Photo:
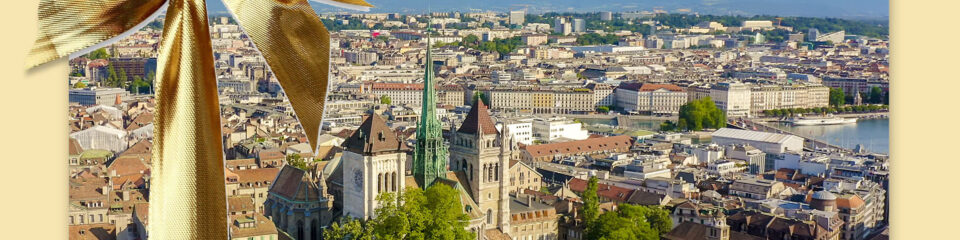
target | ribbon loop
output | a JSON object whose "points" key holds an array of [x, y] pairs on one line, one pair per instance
{"points": [[297, 53], [67, 27], [187, 195], [187, 192]]}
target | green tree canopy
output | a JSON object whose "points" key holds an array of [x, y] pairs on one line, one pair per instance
{"points": [[296, 161], [631, 222], [876, 95], [603, 109], [385, 99], [481, 95], [98, 54], [702, 113], [591, 202], [627, 222], [434, 214], [597, 39], [837, 97]]}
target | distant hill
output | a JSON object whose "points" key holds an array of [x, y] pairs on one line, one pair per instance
{"points": [[849, 9]]}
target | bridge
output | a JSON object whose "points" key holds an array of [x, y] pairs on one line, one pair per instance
{"points": [[809, 143]]}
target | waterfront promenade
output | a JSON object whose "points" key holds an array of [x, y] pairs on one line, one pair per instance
{"points": [[809, 143]]}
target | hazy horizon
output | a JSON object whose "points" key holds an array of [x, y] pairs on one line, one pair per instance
{"points": [[847, 9]]}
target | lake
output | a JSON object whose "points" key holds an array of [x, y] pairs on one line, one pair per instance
{"points": [[874, 134]]}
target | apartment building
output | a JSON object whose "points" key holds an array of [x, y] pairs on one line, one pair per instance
{"points": [[651, 98], [542, 100]]}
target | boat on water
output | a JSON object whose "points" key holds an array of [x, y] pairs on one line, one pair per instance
{"points": [[828, 120]]}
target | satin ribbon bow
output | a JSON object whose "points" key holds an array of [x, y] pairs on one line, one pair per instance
{"points": [[187, 190]]}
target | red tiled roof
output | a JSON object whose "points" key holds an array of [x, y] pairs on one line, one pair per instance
{"points": [[127, 165], [478, 120], [257, 175], [409, 86], [271, 154], [74, 147], [373, 136], [647, 87], [604, 190], [852, 202], [581, 146]]}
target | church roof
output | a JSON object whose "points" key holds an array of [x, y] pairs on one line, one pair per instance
{"points": [[295, 185], [478, 120], [373, 137]]}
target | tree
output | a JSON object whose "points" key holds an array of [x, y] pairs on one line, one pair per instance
{"points": [[346, 228], [668, 126], [122, 78], [139, 86], [545, 190], [80, 85], [700, 114], [603, 109], [876, 95], [98, 54], [631, 222], [471, 40], [836, 97], [111, 79], [436, 213], [385, 99], [591, 202], [296, 161], [481, 95]]}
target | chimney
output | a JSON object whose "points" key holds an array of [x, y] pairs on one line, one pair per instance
{"points": [[529, 200], [105, 190], [126, 195]]}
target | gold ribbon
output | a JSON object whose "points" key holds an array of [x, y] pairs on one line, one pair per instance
{"points": [[187, 192]]}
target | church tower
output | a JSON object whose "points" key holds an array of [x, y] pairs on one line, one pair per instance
{"points": [[430, 154], [374, 162], [477, 149]]}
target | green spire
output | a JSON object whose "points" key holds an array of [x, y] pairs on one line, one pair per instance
{"points": [[430, 155]]}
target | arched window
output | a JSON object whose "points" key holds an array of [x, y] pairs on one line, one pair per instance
{"points": [[380, 182], [483, 173], [393, 179], [489, 216], [490, 174], [300, 230]]}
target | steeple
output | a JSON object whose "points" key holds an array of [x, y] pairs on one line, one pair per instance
{"points": [[373, 137], [430, 155], [478, 120]]}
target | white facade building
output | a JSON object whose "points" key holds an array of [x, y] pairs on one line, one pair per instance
{"points": [[733, 98], [522, 130], [551, 129], [651, 98]]}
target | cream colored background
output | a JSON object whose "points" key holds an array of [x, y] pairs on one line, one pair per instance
{"points": [[925, 168]]}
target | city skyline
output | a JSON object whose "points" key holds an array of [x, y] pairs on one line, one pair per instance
{"points": [[527, 128], [855, 9]]}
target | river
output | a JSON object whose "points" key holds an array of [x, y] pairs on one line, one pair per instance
{"points": [[874, 134]]}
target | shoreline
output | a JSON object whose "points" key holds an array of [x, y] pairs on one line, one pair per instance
{"points": [[871, 115]]}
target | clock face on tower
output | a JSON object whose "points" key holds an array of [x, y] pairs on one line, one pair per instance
{"points": [[358, 178]]}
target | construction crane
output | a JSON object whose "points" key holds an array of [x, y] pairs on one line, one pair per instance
{"points": [[778, 20]]}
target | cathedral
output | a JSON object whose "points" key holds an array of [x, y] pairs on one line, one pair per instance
{"points": [[476, 161]]}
